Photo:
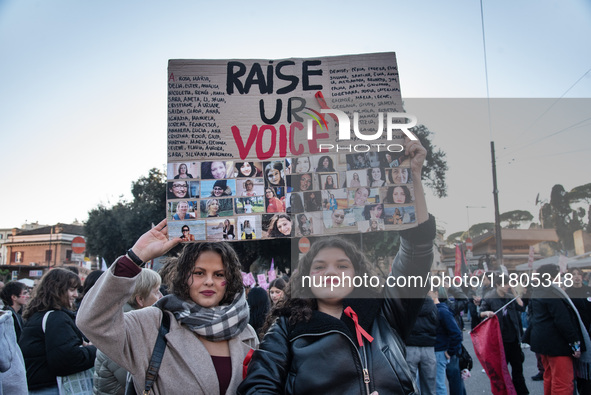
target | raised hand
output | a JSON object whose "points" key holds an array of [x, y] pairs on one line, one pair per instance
{"points": [[154, 243]]}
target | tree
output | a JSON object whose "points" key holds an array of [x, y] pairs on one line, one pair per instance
{"points": [[111, 230], [435, 166], [560, 215], [515, 218], [481, 228], [455, 238]]}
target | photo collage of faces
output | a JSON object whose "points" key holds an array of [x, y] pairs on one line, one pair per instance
{"points": [[302, 196]]}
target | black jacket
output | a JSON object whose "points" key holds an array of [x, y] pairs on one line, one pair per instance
{"points": [[581, 298], [322, 356], [509, 317], [57, 352], [553, 323], [424, 332]]}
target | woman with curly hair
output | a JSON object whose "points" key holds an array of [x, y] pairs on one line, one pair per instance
{"points": [[333, 334], [51, 343], [280, 226], [209, 334], [325, 164]]}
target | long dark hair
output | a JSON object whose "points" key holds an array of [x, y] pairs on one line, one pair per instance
{"points": [[389, 195], [52, 292], [299, 302], [185, 264], [259, 304]]}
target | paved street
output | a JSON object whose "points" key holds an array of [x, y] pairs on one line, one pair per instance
{"points": [[479, 382]]}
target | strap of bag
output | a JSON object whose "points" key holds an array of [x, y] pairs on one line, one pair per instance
{"points": [[159, 348], [44, 321]]}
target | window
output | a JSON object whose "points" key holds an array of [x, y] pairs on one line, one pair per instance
{"points": [[48, 255], [68, 255], [18, 256]]}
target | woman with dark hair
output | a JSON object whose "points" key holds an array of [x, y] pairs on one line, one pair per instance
{"points": [[220, 189], [276, 290], [295, 203], [328, 336], [397, 217], [248, 169], [325, 164], [398, 195], [373, 211], [301, 164], [51, 343], [329, 183], [312, 201], [228, 230], [259, 304], [274, 204], [304, 225], [89, 282], [209, 334], [178, 190], [186, 234], [332, 203], [274, 173], [183, 172], [280, 226], [376, 177]]}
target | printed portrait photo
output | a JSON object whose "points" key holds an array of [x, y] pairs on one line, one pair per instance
{"points": [[250, 187], [182, 170]]}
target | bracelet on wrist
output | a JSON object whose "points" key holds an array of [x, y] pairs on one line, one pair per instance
{"points": [[136, 259]]}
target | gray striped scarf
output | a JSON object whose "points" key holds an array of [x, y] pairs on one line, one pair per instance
{"points": [[215, 324]]}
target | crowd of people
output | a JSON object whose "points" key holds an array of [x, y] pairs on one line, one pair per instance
{"points": [[194, 327]]}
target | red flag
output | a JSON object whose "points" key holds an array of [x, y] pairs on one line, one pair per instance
{"points": [[488, 345], [458, 267]]}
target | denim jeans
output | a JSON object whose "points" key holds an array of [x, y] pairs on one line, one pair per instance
{"points": [[454, 377], [45, 391], [442, 362]]}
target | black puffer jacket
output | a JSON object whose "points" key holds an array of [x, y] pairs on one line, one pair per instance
{"points": [[322, 356], [57, 352], [424, 332]]}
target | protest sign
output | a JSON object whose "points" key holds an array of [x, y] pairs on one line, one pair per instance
{"points": [[287, 148]]}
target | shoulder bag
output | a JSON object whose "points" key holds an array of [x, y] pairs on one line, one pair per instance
{"points": [[79, 383], [155, 360]]}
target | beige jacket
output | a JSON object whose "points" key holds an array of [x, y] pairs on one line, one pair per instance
{"points": [[128, 339]]}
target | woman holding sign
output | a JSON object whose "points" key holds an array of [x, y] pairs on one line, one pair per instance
{"points": [[333, 338], [208, 336]]}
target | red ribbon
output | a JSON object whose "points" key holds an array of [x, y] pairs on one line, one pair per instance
{"points": [[358, 329], [246, 362]]}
